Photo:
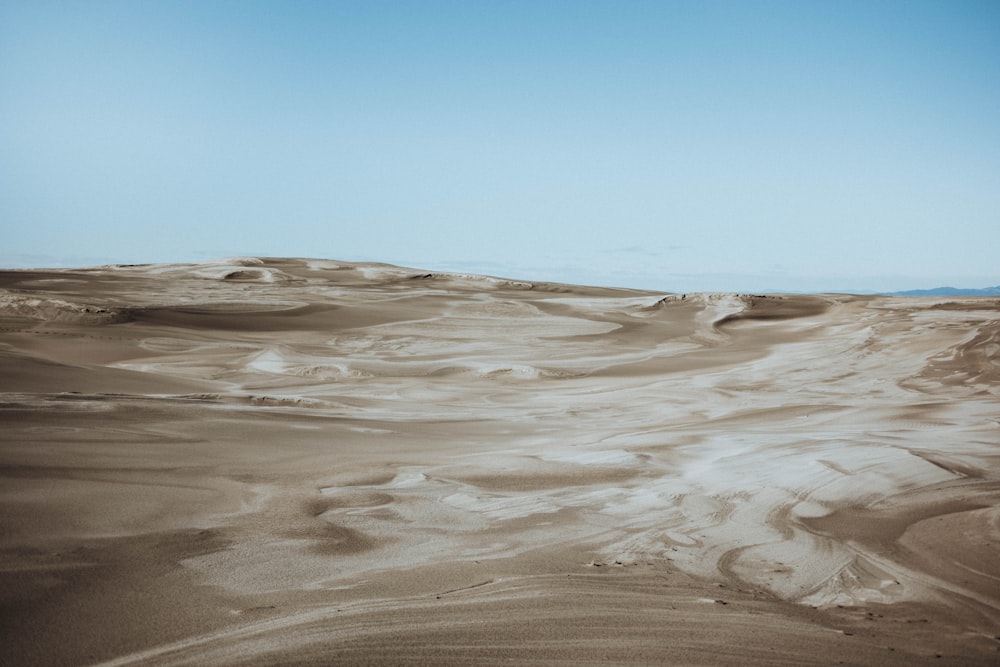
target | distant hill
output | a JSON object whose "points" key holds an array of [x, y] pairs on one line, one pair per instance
{"points": [[950, 291]]}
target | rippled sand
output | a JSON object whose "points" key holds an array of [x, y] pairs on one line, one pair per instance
{"points": [[313, 462]]}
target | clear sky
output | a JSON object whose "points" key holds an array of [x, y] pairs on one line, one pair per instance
{"points": [[675, 146]]}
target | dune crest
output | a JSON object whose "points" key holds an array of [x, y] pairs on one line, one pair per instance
{"points": [[260, 460]]}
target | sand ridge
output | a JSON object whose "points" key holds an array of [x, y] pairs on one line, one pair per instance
{"points": [[357, 461]]}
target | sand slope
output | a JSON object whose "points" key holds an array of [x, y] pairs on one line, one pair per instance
{"points": [[259, 461]]}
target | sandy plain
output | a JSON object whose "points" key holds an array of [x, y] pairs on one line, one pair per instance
{"points": [[288, 461]]}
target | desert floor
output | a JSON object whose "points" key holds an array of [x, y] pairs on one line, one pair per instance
{"points": [[312, 462]]}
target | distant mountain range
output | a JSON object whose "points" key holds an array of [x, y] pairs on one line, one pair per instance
{"points": [[950, 291]]}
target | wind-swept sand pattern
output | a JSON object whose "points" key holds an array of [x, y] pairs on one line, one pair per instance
{"points": [[303, 461]]}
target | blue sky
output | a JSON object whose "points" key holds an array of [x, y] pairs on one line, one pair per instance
{"points": [[674, 146]]}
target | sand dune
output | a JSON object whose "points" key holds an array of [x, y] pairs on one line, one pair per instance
{"points": [[260, 461]]}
